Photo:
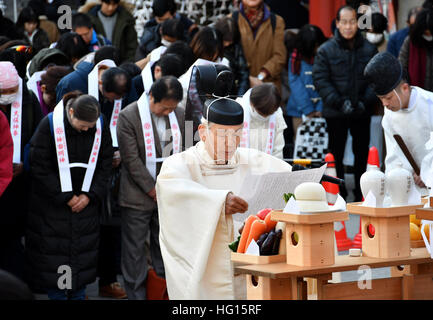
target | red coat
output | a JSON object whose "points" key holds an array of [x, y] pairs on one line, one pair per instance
{"points": [[6, 153]]}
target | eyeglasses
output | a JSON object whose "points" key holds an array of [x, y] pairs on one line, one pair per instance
{"points": [[22, 48]]}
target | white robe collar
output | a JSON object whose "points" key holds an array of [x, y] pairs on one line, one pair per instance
{"points": [[209, 166]]}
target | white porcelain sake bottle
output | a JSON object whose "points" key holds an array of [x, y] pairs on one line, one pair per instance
{"points": [[398, 185], [373, 180]]}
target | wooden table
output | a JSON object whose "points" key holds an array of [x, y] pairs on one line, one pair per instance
{"points": [[280, 281]]}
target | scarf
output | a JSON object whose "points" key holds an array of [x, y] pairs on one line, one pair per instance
{"points": [[254, 16], [417, 65]]}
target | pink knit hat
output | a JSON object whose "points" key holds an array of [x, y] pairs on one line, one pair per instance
{"points": [[9, 77]]}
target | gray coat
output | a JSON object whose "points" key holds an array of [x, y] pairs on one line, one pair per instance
{"points": [[135, 179]]}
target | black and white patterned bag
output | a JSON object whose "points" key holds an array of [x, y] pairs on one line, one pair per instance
{"points": [[311, 140]]}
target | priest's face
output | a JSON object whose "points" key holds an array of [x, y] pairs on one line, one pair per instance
{"points": [[221, 141], [397, 99]]}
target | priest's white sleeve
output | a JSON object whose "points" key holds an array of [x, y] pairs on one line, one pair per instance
{"points": [[393, 151], [188, 216]]}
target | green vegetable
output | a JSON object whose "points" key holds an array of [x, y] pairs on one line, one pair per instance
{"points": [[287, 197], [234, 245]]}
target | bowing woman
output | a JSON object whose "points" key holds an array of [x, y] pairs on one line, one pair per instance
{"points": [[70, 158]]}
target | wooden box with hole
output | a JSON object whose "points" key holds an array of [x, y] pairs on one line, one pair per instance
{"points": [[385, 231], [310, 237]]}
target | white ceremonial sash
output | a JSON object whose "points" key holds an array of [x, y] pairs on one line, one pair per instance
{"points": [[155, 55], [62, 152], [147, 77], [16, 122], [32, 83], [149, 139], [245, 140], [93, 90]]}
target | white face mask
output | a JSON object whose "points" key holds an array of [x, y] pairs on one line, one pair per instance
{"points": [[374, 38], [257, 116], [165, 43], [6, 99], [427, 38]]}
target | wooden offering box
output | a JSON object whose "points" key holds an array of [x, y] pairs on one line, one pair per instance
{"points": [[391, 236], [310, 237], [262, 288]]}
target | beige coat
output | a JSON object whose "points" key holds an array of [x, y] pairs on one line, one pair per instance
{"points": [[266, 50]]}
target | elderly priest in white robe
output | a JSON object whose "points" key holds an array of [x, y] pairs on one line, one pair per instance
{"points": [[196, 193]]}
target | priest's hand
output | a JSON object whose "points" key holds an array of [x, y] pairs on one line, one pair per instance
{"points": [[235, 204], [17, 169], [418, 181], [82, 202], [152, 194]]}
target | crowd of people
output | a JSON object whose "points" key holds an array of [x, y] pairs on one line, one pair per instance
{"points": [[92, 118]]}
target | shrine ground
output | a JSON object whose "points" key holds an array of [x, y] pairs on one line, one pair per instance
{"points": [[352, 228]]}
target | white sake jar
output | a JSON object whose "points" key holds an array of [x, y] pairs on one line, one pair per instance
{"points": [[373, 180], [398, 185]]}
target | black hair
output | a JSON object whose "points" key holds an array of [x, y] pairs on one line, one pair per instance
{"points": [[12, 288], [289, 40], [27, 15], [379, 22], [228, 28], [346, 7], [81, 20], [107, 52], [110, 1], [4, 39], [172, 28], [52, 77], [160, 7], [414, 11], [423, 22], [131, 68], [72, 45], [171, 65], [265, 98], [116, 80], [86, 107], [167, 87], [184, 51], [308, 39], [207, 43], [355, 4], [428, 4]]}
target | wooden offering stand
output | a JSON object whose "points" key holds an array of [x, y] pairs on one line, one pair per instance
{"points": [[310, 237], [286, 280], [391, 237]]}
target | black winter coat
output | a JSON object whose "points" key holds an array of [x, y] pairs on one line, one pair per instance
{"points": [[338, 74], [14, 201], [55, 235]]}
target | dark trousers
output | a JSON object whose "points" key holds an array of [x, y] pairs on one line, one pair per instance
{"points": [[109, 254], [360, 131], [12, 258], [137, 228]]}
